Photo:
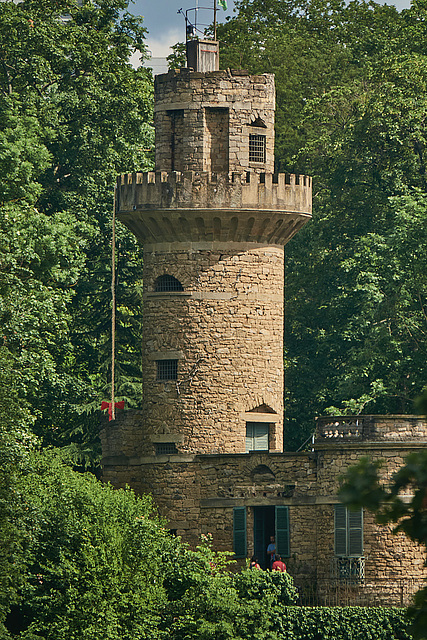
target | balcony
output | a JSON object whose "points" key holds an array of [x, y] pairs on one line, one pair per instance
{"points": [[392, 428], [348, 569]]}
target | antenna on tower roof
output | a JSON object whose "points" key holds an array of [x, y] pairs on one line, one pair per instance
{"points": [[196, 29]]}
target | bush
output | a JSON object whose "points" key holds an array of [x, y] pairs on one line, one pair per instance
{"points": [[208, 602], [92, 561], [343, 623], [272, 587]]}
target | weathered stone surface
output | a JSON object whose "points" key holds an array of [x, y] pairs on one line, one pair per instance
{"points": [[203, 120], [198, 496], [217, 222]]}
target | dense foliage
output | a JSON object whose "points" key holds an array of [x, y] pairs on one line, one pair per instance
{"points": [[402, 502], [351, 109], [91, 558], [339, 623], [73, 114]]}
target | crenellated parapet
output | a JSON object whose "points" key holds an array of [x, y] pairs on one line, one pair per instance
{"points": [[164, 207]]}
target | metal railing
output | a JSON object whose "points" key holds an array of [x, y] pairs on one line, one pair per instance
{"points": [[342, 593]]}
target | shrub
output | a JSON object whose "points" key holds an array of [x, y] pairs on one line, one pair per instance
{"points": [[343, 623], [92, 561]]}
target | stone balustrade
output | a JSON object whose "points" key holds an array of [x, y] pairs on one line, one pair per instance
{"points": [[371, 427]]}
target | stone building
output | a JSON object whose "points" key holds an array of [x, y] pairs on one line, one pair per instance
{"points": [[208, 441]]}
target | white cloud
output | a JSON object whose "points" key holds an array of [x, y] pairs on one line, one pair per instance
{"points": [[158, 49], [161, 47]]}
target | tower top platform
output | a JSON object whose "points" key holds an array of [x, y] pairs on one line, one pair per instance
{"points": [[191, 206]]}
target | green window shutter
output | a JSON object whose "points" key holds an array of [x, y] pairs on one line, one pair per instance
{"points": [[282, 531], [249, 446], [355, 532], [239, 532], [256, 436], [261, 436], [340, 530]]}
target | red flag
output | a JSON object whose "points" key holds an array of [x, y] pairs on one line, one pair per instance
{"points": [[109, 406]]}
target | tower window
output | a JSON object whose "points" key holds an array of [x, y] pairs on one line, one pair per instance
{"points": [[256, 148], [256, 436], [167, 369], [168, 283]]}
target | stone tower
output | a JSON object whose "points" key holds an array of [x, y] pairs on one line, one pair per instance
{"points": [[213, 219], [207, 442]]}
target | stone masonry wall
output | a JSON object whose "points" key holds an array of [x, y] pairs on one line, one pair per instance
{"points": [[226, 331], [207, 107], [197, 494], [390, 560]]}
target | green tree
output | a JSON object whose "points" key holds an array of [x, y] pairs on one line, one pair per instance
{"points": [[74, 115], [91, 558], [310, 47], [363, 487], [356, 287], [15, 445]]}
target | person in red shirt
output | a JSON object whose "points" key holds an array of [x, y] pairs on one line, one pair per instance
{"points": [[278, 565], [254, 564]]}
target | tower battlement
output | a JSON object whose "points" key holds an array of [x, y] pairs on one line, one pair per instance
{"points": [[203, 190], [249, 207]]}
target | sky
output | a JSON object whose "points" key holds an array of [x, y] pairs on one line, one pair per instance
{"points": [[166, 27]]}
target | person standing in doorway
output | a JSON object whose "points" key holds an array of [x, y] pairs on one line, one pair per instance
{"points": [[278, 564], [271, 550]]}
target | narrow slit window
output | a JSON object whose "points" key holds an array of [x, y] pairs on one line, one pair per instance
{"points": [[256, 148], [167, 369]]}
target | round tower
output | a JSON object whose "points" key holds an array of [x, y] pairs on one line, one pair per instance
{"points": [[213, 220]]}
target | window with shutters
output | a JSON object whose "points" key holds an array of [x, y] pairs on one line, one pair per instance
{"points": [[348, 532], [282, 531], [349, 563], [239, 532], [257, 436]]}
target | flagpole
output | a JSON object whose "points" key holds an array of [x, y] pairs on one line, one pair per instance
{"points": [[214, 19], [113, 305]]}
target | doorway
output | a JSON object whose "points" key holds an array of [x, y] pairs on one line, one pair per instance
{"points": [[264, 527]]}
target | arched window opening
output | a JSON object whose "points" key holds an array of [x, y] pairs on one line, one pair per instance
{"points": [[168, 283], [258, 122]]}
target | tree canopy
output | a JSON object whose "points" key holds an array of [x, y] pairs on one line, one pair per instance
{"points": [[74, 114], [351, 111]]}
